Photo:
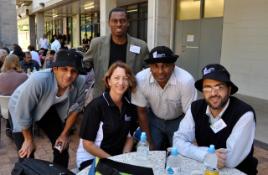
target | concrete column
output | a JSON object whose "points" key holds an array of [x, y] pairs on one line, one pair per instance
{"points": [[105, 7], [160, 23], [76, 30], [40, 26], [64, 25], [32, 30], [8, 23]]}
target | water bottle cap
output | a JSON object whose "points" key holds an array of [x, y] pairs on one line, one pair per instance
{"points": [[170, 171], [143, 137], [211, 149], [174, 151]]}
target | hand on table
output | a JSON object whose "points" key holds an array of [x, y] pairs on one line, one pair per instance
{"points": [[221, 155]]}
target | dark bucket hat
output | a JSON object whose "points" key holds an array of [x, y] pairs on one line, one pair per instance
{"points": [[216, 72], [161, 54], [69, 58]]}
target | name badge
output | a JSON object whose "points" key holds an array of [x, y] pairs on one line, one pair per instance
{"points": [[218, 125], [127, 118], [135, 49]]}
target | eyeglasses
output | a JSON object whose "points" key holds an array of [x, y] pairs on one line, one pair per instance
{"points": [[217, 88]]}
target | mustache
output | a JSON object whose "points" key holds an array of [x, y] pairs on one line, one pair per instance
{"points": [[214, 96]]}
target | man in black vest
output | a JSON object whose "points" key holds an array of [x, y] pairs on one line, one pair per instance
{"points": [[219, 119]]}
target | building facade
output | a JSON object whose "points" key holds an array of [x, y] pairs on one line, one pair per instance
{"points": [[229, 32]]}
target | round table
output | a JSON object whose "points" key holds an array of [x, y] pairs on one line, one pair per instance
{"points": [[157, 159]]}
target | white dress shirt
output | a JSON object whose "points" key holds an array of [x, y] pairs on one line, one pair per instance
{"points": [[36, 57], [43, 43], [55, 45], [169, 102], [238, 144]]}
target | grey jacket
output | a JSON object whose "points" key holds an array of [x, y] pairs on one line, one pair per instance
{"points": [[32, 99], [99, 55]]}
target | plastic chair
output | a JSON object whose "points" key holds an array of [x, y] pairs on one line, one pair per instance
{"points": [[4, 108]]}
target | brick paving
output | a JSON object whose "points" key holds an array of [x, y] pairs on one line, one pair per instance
{"points": [[8, 154]]}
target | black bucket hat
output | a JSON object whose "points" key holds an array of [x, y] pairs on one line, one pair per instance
{"points": [[216, 72], [69, 58], [161, 54]]}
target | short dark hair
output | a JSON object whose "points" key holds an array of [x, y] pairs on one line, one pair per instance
{"points": [[27, 53], [52, 52], [117, 9], [31, 48]]}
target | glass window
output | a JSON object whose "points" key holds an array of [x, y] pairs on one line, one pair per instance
{"points": [[188, 9], [89, 27], [213, 8], [137, 15]]}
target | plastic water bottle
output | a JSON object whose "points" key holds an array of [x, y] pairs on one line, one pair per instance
{"points": [[173, 162], [143, 147], [210, 162]]}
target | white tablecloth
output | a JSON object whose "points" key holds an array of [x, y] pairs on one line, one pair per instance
{"points": [[156, 161]]}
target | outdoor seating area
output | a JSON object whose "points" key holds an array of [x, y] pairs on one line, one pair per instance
{"points": [[44, 151]]}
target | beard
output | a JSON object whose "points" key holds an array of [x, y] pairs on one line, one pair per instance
{"points": [[223, 102]]}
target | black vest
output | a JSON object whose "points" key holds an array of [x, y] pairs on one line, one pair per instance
{"points": [[234, 111]]}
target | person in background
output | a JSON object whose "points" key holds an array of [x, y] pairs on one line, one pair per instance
{"points": [[7, 50], [35, 55], [18, 51], [3, 54], [51, 98], [42, 55], [49, 59], [118, 46], [109, 119], [55, 45], [163, 95], [86, 42], [43, 42], [27, 64], [11, 77], [219, 119]]}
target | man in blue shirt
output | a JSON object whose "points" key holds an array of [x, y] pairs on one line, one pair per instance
{"points": [[53, 99]]}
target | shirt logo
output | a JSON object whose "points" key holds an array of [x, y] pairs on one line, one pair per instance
{"points": [[127, 118]]}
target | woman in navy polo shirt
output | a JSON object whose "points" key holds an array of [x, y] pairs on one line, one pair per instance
{"points": [[109, 118]]}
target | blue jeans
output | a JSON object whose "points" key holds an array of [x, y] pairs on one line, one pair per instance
{"points": [[162, 130]]}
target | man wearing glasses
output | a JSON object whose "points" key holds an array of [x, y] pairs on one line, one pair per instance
{"points": [[52, 99], [219, 119]]}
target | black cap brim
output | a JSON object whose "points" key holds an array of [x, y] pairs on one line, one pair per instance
{"points": [[218, 77], [172, 59]]}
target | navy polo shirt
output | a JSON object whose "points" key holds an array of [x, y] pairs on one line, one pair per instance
{"points": [[104, 123]]}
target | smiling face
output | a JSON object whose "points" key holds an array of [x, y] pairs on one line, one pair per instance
{"points": [[216, 94], [65, 76], [162, 72], [118, 24], [118, 81]]}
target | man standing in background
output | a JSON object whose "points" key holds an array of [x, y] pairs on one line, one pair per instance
{"points": [[118, 46]]}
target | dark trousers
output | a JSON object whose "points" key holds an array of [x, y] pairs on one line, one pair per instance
{"points": [[52, 126], [162, 130]]}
